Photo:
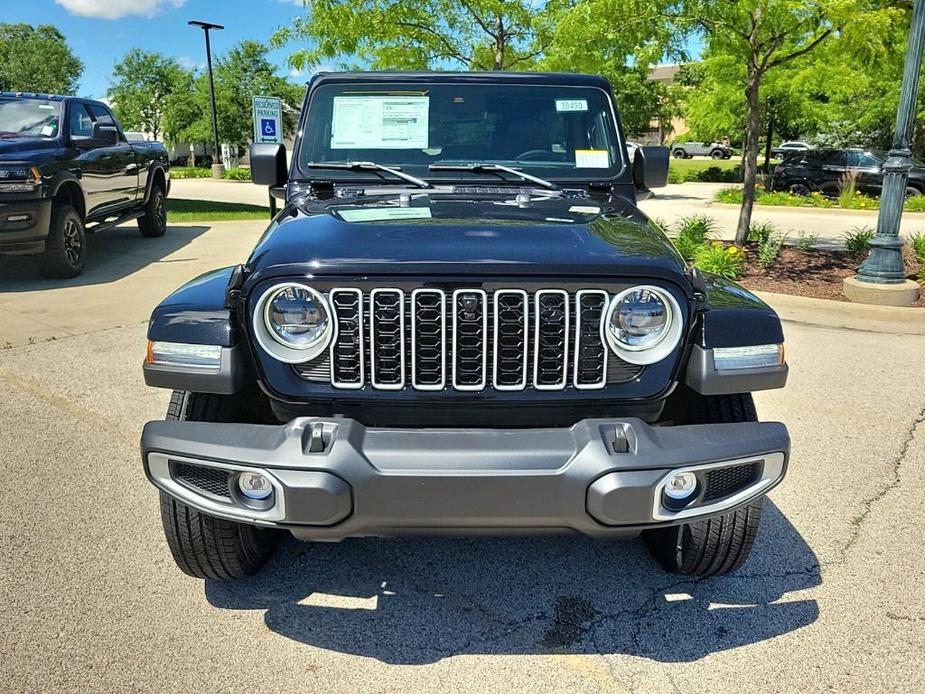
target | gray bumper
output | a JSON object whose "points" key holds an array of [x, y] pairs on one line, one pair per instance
{"points": [[335, 478]]}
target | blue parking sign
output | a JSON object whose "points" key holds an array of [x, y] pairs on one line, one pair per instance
{"points": [[268, 127]]}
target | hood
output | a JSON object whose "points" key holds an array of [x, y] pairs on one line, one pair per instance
{"points": [[17, 149], [455, 235]]}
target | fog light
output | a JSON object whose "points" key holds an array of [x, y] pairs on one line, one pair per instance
{"points": [[681, 485], [254, 486]]}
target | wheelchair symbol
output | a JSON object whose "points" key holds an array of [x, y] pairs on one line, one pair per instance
{"points": [[268, 127]]}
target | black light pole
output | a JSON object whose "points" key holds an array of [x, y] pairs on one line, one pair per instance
{"points": [[218, 169], [881, 279]]}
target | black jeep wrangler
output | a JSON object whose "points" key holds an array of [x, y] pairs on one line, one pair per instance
{"points": [[460, 323]]}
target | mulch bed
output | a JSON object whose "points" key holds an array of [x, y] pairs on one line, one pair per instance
{"points": [[816, 273]]}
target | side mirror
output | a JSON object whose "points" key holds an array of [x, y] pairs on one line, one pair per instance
{"points": [[104, 135], [650, 167], [268, 165]]}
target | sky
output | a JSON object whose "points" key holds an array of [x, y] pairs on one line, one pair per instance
{"points": [[100, 32]]}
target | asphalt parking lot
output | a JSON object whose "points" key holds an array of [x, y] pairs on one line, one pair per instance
{"points": [[831, 600]]}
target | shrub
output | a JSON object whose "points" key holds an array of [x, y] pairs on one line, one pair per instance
{"points": [[805, 242], [181, 172], [856, 239], [693, 233], [847, 187], [769, 248], [238, 174], [918, 248], [720, 260], [730, 196], [915, 204], [759, 233]]}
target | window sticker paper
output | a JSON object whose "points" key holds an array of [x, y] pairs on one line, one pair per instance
{"points": [[384, 214], [380, 122], [592, 159], [569, 105]]}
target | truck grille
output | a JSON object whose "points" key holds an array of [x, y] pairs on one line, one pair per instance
{"points": [[468, 340]]}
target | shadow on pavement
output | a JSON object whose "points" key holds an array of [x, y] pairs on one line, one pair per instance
{"points": [[111, 255], [413, 601]]}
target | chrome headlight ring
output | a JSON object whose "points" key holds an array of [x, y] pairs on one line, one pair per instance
{"points": [[666, 342], [273, 343]]}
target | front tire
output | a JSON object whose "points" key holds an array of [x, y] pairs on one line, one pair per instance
{"points": [[204, 546], [679, 154], [718, 154], [65, 251], [721, 544], [154, 222]]}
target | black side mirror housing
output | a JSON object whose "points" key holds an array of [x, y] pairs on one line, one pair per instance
{"points": [[268, 165], [650, 167], [104, 135]]}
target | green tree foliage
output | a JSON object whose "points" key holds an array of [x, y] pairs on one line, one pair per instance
{"points": [[37, 59], [397, 34], [244, 72], [761, 36], [144, 89]]}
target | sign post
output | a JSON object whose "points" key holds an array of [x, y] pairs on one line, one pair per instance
{"points": [[268, 128], [268, 120]]}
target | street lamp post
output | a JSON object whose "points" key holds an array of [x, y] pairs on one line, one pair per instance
{"points": [[881, 279], [218, 169]]}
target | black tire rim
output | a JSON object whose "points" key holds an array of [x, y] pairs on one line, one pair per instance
{"points": [[912, 192], [160, 210], [73, 245]]}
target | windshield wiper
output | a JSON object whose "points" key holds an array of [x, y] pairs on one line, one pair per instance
{"points": [[370, 166], [488, 168]]}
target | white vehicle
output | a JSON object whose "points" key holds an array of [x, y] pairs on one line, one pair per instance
{"points": [[787, 147]]}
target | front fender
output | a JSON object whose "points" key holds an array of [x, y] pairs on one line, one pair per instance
{"points": [[196, 314]]}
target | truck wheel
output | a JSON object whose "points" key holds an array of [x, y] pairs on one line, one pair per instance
{"points": [[718, 154], [204, 546], [66, 246], [679, 154], [721, 544], [154, 222]]}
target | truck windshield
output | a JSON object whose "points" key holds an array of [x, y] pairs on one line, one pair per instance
{"points": [[29, 118], [553, 132]]}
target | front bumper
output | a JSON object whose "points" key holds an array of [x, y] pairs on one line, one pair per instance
{"points": [[24, 226], [335, 478]]}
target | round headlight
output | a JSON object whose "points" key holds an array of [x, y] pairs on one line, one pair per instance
{"points": [[293, 322], [643, 325], [296, 316]]}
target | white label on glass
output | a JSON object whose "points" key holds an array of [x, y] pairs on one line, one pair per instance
{"points": [[380, 122], [571, 105], [48, 130], [384, 214], [592, 159], [584, 209]]}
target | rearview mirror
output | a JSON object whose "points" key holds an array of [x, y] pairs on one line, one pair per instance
{"points": [[650, 167], [268, 165]]}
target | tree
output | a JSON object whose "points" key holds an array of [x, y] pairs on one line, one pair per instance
{"points": [[143, 87], [762, 36], [397, 34], [37, 59], [242, 73]]}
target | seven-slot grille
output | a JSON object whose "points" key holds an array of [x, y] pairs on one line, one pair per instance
{"points": [[468, 340]]}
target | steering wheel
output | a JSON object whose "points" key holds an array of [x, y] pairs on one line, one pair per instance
{"points": [[538, 154]]}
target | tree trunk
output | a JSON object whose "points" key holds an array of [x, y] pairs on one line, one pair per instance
{"points": [[752, 135], [499, 43]]}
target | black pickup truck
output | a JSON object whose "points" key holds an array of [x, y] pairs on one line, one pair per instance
{"points": [[461, 323], [67, 170]]}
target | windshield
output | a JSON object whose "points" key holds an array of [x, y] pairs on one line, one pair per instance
{"points": [[553, 132], [28, 118]]}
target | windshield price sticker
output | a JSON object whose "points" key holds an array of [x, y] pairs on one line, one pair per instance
{"points": [[380, 122], [592, 159], [571, 105]]}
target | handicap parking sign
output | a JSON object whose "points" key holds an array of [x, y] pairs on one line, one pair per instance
{"points": [[268, 119]]}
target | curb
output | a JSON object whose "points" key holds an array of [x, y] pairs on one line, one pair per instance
{"points": [[842, 315]]}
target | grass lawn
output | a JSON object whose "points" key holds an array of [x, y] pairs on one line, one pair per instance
{"points": [[208, 211]]}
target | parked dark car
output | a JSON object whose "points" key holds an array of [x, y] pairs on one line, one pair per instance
{"points": [[829, 170], [66, 170], [461, 323], [689, 150]]}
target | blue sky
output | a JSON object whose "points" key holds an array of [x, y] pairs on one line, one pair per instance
{"points": [[100, 32]]}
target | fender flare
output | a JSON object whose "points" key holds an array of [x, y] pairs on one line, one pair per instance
{"points": [[68, 177]]}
